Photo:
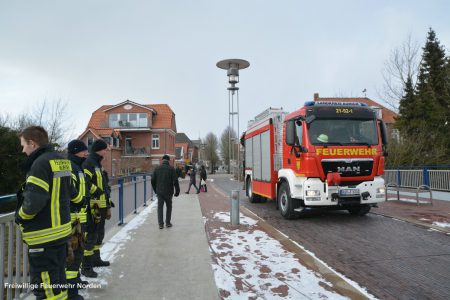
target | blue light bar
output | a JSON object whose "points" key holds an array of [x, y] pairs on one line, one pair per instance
{"points": [[334, 103]]}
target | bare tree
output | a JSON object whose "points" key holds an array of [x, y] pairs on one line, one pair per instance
{"points": [[4, 120], [211, 146], [53, 116], [403, 63]]}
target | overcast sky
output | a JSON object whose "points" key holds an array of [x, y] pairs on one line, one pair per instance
{"points": [[91, 53]]}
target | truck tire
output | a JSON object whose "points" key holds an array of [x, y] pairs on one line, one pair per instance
{"points": [[359, 210], [253, 198], [285, 202]]}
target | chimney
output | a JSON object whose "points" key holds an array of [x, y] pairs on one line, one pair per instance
{"points": [[316, 96]]}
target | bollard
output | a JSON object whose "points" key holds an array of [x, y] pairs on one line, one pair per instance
{"points": [[135, 194], [120, 201], [234, 213], [145, 190]]}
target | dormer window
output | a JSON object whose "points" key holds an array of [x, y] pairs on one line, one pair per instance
{"points": [[124, 120]]}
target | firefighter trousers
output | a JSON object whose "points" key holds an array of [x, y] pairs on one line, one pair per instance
{"points": [[47, 271], [89, 243], [73, 268], [100, 236], [94, 238]]}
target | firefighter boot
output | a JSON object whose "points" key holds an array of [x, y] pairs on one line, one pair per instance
{"points": [[81, 283], [76, 297], [86, 268], [89, 272], [72, 293], [97, 260]]}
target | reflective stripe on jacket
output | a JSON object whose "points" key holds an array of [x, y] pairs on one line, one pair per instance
{"points": [[44, 214]]}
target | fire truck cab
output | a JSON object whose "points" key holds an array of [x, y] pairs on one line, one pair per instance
{"points": [[325, 154]]}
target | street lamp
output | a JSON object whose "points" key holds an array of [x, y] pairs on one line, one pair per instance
{"points": [[233, 66]]}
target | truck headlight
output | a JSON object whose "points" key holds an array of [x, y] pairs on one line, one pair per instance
{"points": [[381, 190], [312, 193]]}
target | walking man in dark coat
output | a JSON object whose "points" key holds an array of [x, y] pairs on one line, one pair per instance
{"points": [[164, 180]]}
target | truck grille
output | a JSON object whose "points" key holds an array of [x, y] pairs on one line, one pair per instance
{"points": [[348, 167]]}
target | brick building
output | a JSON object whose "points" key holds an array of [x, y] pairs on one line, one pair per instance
{"points": [[139, 135], [387, 115], [186, 150]]}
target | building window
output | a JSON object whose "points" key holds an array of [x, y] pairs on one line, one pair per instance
{"points": [[155, 141], [90, 141], [142, 120], [107, 139], [116, 142], [128, 120]]}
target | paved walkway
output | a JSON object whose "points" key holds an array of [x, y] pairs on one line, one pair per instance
{"points": [[153, 263]]}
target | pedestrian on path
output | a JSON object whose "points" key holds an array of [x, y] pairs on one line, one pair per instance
{"points": [[192, 180], [203, 178], [164, 180]]}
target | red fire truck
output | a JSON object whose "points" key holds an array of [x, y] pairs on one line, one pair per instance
{"points": [[325, 154]]}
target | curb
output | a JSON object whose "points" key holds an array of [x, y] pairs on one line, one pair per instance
{"points": [[415, 222]]}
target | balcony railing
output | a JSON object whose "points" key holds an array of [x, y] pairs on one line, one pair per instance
{"points": [[136, 151], [129, 124]]}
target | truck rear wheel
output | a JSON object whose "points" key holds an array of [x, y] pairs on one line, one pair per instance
{"points": [[253, 198], [285, 202], [359, 210]]}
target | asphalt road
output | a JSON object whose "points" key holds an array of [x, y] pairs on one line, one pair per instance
{"points": [[392, 259]]}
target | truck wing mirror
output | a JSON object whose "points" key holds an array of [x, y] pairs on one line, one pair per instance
{"points": [[384, 139], [290, 132], [310, 119], [383, 131]]}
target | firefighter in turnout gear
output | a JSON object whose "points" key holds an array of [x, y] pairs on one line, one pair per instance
{"points": [[77, 153], [100, 206], [43, 213]]}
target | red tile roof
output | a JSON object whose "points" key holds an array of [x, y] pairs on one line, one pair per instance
{"points": [[388, 115], [164, 118]]}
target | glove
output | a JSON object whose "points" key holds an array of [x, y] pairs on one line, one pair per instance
{"points": [[96, 214], [177, 194], [70, 255], [108, 214]]}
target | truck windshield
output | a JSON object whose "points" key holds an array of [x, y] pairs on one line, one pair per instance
{"points": [[343, 132]]}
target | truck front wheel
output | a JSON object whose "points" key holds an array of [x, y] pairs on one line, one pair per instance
{"points": [[285, 202], [359, 210]]}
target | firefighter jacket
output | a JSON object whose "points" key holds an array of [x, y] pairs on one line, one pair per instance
{"points": [[164, 180], [97, 181], [79, 204], [43, 211]]}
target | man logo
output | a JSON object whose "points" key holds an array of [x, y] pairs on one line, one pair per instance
{"points": [[354, 169]]}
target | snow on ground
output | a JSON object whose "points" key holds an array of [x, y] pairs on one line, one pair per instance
{"points": [[110, 249], [408, 200], [252, 265], [442, 224], [225, 217]]}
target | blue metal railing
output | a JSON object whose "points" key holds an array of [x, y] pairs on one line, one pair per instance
{"points": [[435, 177], [129, 194]]}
